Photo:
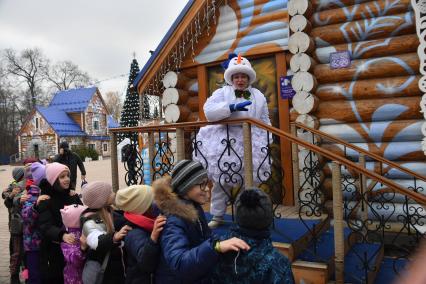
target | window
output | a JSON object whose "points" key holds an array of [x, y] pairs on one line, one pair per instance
{"points": [[105, 147], [96, 124], [92, 146], [36, 122]]}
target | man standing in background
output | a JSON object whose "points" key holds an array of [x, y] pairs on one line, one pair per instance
{"points": [[71, 160]]}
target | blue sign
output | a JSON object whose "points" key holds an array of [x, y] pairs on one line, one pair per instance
{"points": [[341, 59], [286, 89]]}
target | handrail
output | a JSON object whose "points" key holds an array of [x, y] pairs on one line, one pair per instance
{"points": [[418, 197], [360, 150]]}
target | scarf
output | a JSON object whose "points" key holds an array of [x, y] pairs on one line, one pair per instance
{"points": [[140, 220]]}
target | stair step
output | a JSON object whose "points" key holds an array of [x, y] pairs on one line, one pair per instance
{"points": [[310, 272], [387, 273], [324, 251], [291, 236], [354, 267], [317, 267]]}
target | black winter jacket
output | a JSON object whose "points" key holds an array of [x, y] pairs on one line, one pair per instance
{"points": [[52, 229]]}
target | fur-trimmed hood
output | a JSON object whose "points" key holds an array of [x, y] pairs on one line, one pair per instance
{"points": [[169, 202]]}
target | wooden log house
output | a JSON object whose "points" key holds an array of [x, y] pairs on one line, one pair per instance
{"points": [[375, 102]]}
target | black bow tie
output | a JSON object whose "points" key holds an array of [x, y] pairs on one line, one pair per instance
{"points": [[242, 94]]}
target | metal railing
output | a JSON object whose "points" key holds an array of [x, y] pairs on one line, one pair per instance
{"points": [[374, 212], [355, 205]]}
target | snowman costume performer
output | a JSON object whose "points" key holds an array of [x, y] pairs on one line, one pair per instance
{"points": [[235, 100]]}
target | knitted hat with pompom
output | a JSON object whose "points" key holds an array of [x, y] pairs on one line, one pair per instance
{"points": [[254, 209]]}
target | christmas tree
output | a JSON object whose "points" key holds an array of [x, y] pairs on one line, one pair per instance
{"points": [[145, 111], [130, 112]]}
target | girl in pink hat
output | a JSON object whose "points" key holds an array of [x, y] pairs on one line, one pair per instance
{"points": [[55, 195], [73, 255]]}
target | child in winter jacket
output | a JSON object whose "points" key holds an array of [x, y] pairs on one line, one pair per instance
{"points": [[141, 243], [99, 229], [11, 197], [73, 255], [189, 252], [55, 194], [32, 236], [262, 263]]}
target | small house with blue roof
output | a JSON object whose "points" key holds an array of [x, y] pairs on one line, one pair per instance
{"points": [[78, 116]]}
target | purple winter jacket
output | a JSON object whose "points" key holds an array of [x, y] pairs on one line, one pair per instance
{"points": [[74, 259], [32, 236]]}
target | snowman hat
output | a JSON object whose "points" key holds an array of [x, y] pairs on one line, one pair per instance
{"points": [[239, 64]]}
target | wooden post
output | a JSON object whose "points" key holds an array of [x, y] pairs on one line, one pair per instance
{"points": [[180, 144], [202, 89], [284, 123], [295, 163], [114, 162], [248, 159], [339, 240], [363, 190], [151, 154]]}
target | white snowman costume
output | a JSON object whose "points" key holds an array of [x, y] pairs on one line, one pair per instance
{"points": [[211, 136]]}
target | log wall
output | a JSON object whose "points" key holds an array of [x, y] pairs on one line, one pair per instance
{"points": [[375, 102], [246, 27], [180, 97]]}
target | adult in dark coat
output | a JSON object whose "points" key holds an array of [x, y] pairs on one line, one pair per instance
{"points": [[189, 251], [71, 160], [54, 197]]}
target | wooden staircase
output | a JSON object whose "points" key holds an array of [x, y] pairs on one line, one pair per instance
{"points": [[360, 237], [312, 255], [367, 259]]}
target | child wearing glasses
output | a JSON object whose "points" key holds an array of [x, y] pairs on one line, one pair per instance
{"points": [[189, 251]]}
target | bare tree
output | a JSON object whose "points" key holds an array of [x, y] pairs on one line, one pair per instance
{"points": [[29, 68], [113, 104], [9, 118], [65, 75]]}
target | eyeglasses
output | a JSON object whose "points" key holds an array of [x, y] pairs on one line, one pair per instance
{"points": [[203, 185]]}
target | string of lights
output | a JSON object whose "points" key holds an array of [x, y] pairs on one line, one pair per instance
{"points": [[109, 79]]}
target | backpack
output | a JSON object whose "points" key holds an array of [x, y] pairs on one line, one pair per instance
{"points": [[93, 271]]}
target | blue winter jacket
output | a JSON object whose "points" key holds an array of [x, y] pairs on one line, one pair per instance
{"points": [[187, 245], [143, 255], [260, 265]]}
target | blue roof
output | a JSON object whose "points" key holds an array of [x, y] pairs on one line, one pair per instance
{"points": [[163, 42], [74, 100], [61, 123], [112, 123]]}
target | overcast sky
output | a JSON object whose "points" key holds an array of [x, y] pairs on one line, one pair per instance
{"points": [[100, 36]]}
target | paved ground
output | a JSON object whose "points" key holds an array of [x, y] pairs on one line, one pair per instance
{"points": [[96, 170]]}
